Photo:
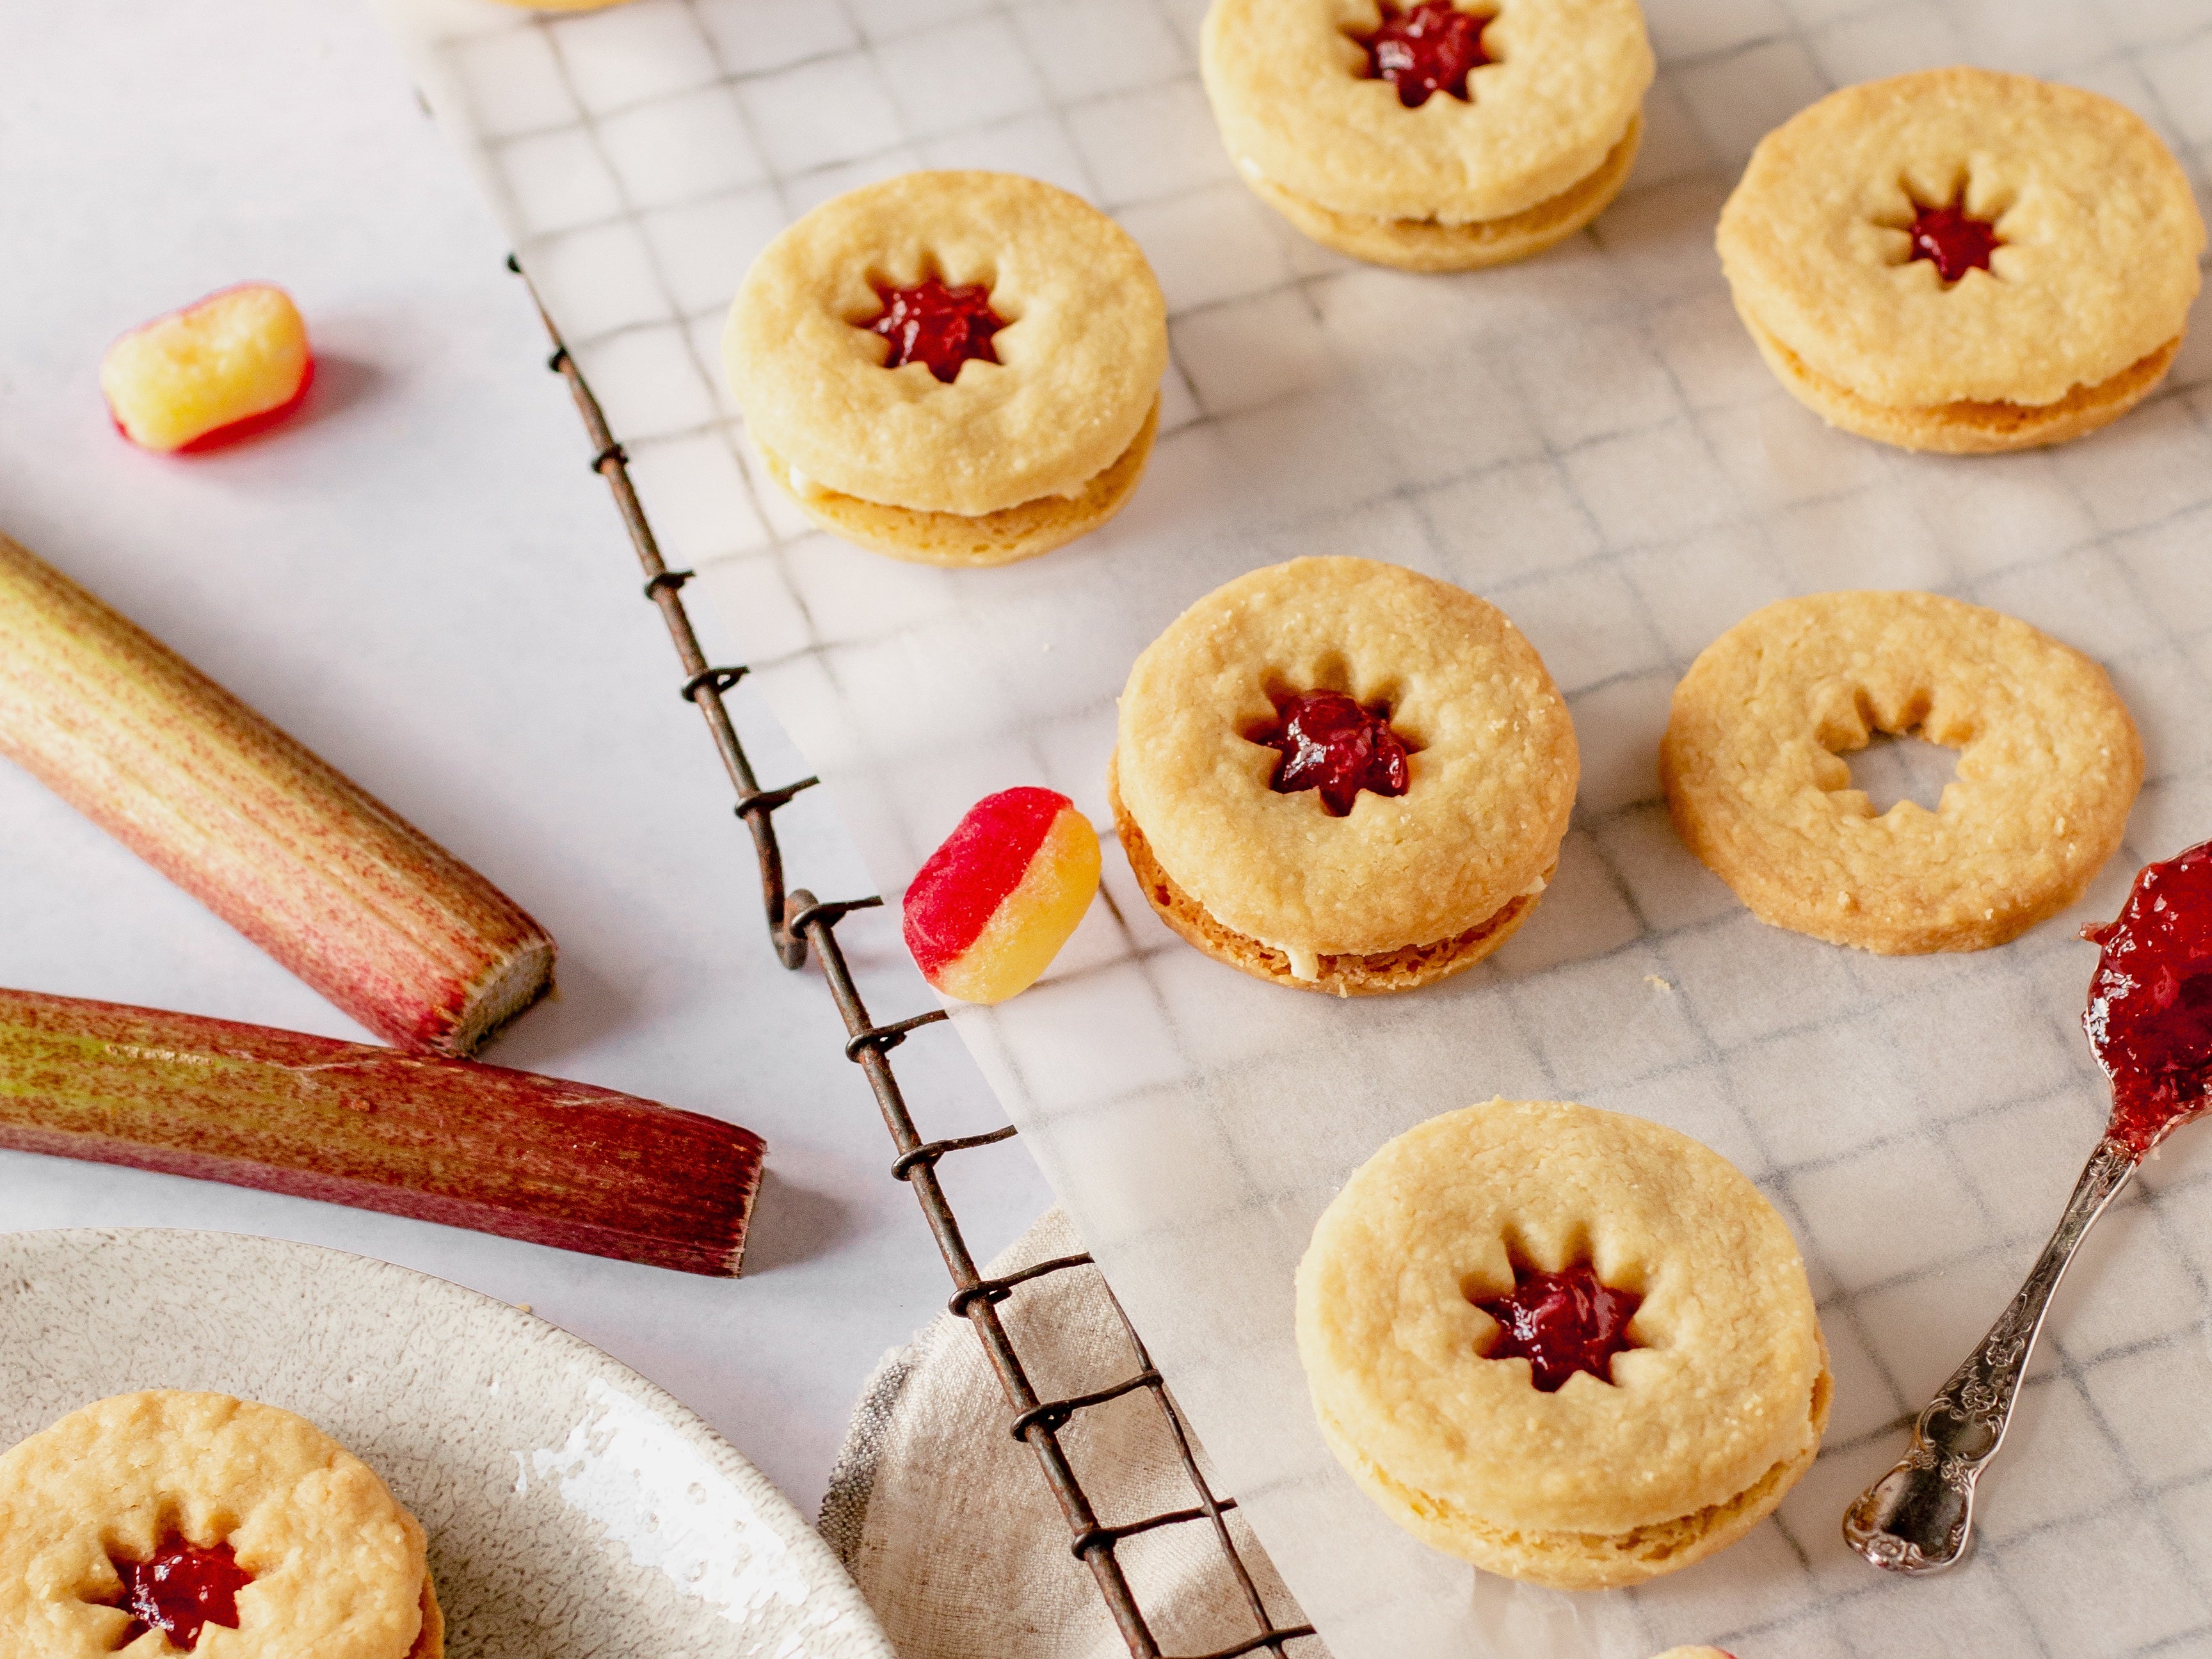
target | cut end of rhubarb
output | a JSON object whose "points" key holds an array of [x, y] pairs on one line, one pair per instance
{"points": [[520, 985], [421, 949]]}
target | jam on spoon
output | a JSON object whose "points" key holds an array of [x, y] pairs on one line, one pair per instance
{"points": [[940, 326], [1424, 49], [1562, 1323], [1329, 742], [1953, 239], [181, 1590], [2149, 1020]]}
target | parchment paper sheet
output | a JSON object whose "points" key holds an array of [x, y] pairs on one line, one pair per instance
{"points": [[1589, 441]]}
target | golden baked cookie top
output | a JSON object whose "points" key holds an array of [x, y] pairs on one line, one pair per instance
{"points": [[1079, 359], [1298, 106], [2049, 763], [1718, 1391], [2096, 239], [1492, 772], [337, 1568]]}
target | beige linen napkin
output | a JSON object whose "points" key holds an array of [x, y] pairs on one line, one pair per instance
{"points": [[946, 1525]]}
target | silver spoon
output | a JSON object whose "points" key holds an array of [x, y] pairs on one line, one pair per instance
{"points": [[1919, 1517]]}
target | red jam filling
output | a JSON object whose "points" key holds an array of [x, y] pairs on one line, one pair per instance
{"points": [[1562, 1323], [2150, 1001], [1328, 742], [182, 1590], [1424, 49], [1953, 239], [943, 327]]}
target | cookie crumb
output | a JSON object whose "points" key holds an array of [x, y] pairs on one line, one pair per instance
{"points": [[1657, 983], [522, 1307]]}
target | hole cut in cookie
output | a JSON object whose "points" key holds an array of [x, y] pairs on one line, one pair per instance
{"points": [[1331, 741], [1564, 1323], [1426, 48], [1954, 228], [1882, 758], [179, 1590], [1897, 767], [941, 322], [1331, 671]]}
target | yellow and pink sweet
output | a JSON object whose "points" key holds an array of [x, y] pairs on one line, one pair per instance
{"points": [[989, 912], [218, 370]]}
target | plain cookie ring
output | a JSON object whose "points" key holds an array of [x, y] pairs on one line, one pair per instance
{"points": [[1365, 883], [304, 1549], [1427, 135], [1964, 261], [2049, 763], [1698, 1390], [955, 369]]}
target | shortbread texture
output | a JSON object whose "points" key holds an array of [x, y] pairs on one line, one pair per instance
{"points": [[2098, 266], [1296, 109], [1702, 1427], [1491, 782], [1079, 361], [2049, 763], [1334, 973], [338, 1565], [1429, 244], [1968, 427], [958, 541]]}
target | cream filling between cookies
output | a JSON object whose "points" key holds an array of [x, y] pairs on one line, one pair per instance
{"points": [[1305, 960], [808, 488]]}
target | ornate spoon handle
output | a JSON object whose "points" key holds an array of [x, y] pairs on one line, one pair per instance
{"points": [[1919, 1517]]}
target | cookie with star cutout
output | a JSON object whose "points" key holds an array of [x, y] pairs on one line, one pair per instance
{"points": [[165, 1522], [1342, 776], [1430, 135], [1572, 1346], [1964, 261], [952, 368]]}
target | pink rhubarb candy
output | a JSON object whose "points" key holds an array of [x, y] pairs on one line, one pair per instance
{"points": [[989, 911], [222, 367]]}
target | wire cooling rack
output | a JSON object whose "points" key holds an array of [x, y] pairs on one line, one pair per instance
{"points": [[799, 921]]}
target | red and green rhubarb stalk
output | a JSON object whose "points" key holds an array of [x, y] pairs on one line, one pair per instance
{"points": [[450, 1140], [368, 910]]}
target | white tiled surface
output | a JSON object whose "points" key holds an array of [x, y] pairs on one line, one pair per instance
{"points": [[1589, 441]]}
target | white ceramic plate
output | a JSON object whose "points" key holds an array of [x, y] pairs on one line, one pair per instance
{"points": [[572, 1507]]}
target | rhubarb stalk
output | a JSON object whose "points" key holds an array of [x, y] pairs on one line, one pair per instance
{"points": [[449, 1140], [358, 903]]}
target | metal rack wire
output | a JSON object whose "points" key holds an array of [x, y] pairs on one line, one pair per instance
{"points": [[798, 922]]}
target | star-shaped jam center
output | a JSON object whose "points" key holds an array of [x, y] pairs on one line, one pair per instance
{"points": [[942, 327], [180, 1592], [1953, 240], [1330, 742], [1562, 1323], [1426, 48]]}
